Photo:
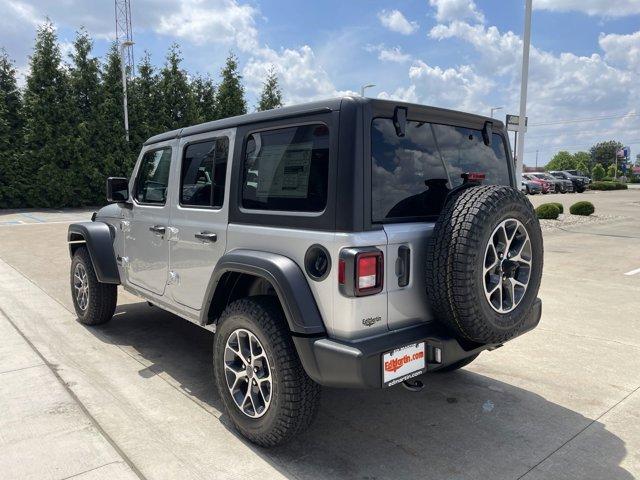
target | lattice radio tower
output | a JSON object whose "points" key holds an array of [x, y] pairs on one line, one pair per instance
{"points": [[124, 33]]}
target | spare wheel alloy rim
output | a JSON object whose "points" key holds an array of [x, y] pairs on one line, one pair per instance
{"points": [[507, 265], [247, 373]]}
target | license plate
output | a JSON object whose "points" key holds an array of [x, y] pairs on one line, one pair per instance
{"points": [[403, 363]]}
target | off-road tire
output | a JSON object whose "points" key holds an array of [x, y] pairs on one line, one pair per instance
{"points": [[458, 365], [102, 297], [295, 397], [455, 262]]}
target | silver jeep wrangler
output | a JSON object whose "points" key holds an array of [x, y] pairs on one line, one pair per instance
{"points": [[349, 243]]}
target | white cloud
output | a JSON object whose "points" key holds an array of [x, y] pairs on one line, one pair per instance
{"points": [[395, 21], [606, 8], [393, 54], [301, 76], [206, 21], [460, 88], [16, 12], [449, 10], [622, 50], [561, 86], [389, 54]]}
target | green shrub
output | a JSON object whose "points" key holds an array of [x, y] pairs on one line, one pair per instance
{"points": [[608, 179], [559, 205], [608, 186], [548, 211], [582, 208]]}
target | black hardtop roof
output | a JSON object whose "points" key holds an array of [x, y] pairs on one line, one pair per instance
{"points": [[329, 105]]}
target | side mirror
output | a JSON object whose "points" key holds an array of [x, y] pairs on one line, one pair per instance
{"points": [[117, 189]]}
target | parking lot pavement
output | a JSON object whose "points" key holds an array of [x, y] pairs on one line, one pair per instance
{"points": [[45, 433], [31, 216], [562, 402]]}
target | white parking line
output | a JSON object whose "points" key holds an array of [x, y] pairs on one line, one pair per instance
{"points": [[633, 272]]}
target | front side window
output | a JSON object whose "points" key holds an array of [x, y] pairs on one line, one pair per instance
{"points": [[203, 173], [412, 175], [153, 177], [287, 169]]}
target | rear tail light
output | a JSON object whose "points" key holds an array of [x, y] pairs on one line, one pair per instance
{"points": [[360, 271], [368, 271]]}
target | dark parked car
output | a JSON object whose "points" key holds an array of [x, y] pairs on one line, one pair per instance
{"points": [[579, 173], [579, 183]]}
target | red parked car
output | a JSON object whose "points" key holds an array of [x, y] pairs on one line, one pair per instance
{"points": [[544, 185]]}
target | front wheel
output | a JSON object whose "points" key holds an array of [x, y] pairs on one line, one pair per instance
{"points": [[93, 301], [264, 388]]}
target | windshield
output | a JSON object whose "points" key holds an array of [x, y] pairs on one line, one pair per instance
{"points": [[412, 175]]}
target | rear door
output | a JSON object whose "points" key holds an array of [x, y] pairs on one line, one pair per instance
{"points": [[145, 230], [411, 177], [198, 230]]}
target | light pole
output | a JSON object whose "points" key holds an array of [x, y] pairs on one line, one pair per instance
{"points": [[364, 87], [123, 66], [526, 44], [495, 109]]}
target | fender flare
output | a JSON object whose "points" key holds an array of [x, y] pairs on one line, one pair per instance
{"points": [[98, 238], [288, 280]]}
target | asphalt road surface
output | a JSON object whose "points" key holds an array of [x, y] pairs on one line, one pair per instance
{"points": [[134, 398]]}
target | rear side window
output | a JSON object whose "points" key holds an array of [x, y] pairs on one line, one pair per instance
{"points": [[203, 173], [412, 175], [287, 169], [153, 177]]}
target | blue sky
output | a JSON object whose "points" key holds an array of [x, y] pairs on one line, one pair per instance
{"points": [[461, 54]]}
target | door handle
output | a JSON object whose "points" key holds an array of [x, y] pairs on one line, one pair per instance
{"points": [[158, 229], [207, 236]]}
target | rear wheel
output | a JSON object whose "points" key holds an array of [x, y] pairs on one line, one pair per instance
{"points": [[93, 301], [484, 263], [264, 388]]}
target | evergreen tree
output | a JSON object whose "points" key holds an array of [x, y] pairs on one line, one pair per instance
{"points": [[87, 168], [112, 145], [144, 114], [204, 92], [230, 97], [271, 96], [48, 133], [177, 99], [11, 184], [9, 88]]}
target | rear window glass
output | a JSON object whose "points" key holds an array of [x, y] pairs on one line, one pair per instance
{"points": [[412, 175], [287, 169]]}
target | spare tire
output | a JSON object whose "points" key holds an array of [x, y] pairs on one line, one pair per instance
{"points": [[484, 263]]}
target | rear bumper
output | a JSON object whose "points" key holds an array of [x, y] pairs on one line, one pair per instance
{"points": [[358, 364]]}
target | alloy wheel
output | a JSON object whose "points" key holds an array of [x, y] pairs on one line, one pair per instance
{"points": [[507, 265], [81, 286], [248, 373]]}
